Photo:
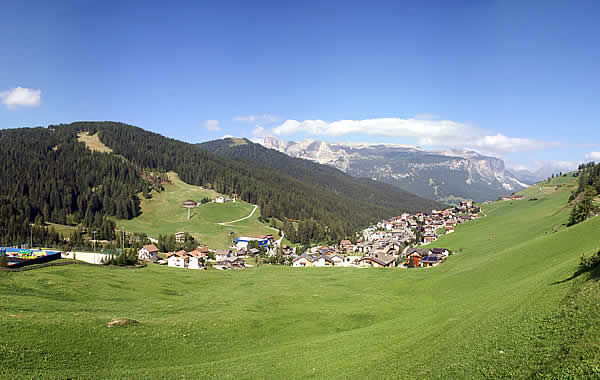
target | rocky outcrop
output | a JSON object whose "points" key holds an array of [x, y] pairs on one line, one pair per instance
{"points": [[441, 175]]}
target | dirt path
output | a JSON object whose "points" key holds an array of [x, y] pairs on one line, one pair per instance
{"points": [[239, 220]]}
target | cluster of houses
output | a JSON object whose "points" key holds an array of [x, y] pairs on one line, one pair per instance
{"points": [[429, 226], [386, 244], [196, 259], [383, 256]]}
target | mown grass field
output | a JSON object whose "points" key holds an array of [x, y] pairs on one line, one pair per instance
{"points": [[163, 214], [510, 306]]}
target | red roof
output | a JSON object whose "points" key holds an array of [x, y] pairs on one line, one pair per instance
{"points": [[181, 253], [151, 248]]}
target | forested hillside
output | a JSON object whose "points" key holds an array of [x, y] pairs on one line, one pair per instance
{"points": [[49, 176], [322, 176]]}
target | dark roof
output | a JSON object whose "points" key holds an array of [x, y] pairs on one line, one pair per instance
{"points": [[439, 250], [381, 260], [420, 251], [305, 256]]}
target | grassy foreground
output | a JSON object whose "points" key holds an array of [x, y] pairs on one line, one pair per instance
{"points": [[505, 307], [163, 214]]}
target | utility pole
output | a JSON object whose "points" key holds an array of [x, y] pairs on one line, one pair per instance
{"points": [[123, 246], [30, 235], [94, 232]]}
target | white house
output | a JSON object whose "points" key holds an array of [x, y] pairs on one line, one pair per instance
{"points": [[224, 254], [179, 237], [302, 261], [322, 261], [194, 261], [350, 261], [177, 259], [148, 252], [337, 260]]}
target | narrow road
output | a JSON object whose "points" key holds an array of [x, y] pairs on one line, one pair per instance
{"points": [[239, 220], [282, 235]]}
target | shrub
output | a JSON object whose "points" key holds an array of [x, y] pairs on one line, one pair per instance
{"points": [[129, 257], [3, 260], [588, 263]]}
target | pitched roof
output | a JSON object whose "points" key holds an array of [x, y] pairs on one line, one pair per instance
{"points": [[381, 260], [181, 253], [302, 256], [198, 253], [151, 248], [420, 251]]}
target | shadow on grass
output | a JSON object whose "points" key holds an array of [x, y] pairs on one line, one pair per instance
{"points": [[594, 274]]}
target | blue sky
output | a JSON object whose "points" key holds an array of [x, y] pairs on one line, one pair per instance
{"points": [[518, 80]]}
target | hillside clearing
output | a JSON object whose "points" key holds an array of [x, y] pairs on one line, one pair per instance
{"points": [[163, 214], [92, 142]]}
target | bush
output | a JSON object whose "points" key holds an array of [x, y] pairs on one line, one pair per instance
{"points": [[129, 257], [588, 263]]}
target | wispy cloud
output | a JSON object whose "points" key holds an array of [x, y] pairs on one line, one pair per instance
{"points": [[259, 119], [212, 125], [20, 96], [594, 156], [544, 167], [426, 130]]}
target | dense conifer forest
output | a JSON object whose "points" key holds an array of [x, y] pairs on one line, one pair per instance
{"points": [[47, 175], [324, 177]]}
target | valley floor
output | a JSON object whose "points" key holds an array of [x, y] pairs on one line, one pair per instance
{"points": [[511, 306]]}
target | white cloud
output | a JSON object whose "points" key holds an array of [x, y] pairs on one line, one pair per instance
{"points": [[503, 144], [262, 119], [427, 132], [259, 132], [227, 137], [212, 125], [544, 168], [594, 156], [20, 96]]}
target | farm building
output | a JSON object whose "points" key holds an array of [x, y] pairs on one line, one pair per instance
{"points": [[242, 242]]}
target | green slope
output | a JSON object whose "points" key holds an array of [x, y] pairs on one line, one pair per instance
{"points": [[507, 307], [162, 214]]}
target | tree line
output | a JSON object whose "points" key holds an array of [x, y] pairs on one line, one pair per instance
{"points": [[48, 176], [588, 187]]}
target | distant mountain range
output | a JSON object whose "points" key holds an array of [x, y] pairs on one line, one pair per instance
{"points": [[446, 176]]}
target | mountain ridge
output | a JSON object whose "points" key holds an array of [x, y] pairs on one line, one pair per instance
{"points": [[439, 175]]}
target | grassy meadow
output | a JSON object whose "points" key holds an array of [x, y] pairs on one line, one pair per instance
{"points": [[92, 142], [163, 214], [510, 304]]}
